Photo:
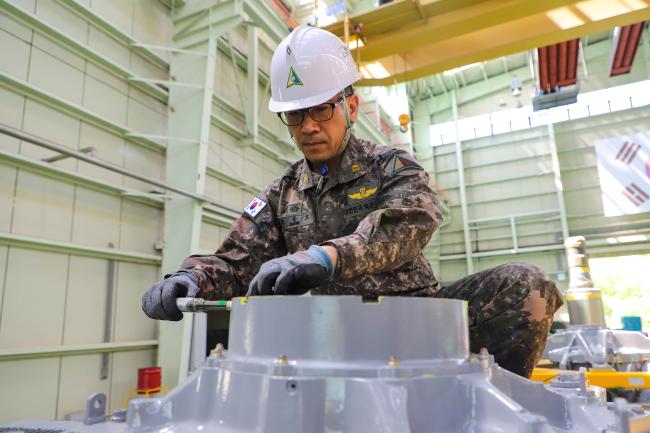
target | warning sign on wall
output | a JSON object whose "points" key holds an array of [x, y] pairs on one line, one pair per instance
{"points": [[624, 172]]}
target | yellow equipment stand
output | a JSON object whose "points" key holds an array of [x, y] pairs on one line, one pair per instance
{"points": [[146, 392], [602, 378]]}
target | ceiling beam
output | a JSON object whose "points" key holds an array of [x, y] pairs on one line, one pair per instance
{"points": [[411, 35], [586, 17], [394, 15]]}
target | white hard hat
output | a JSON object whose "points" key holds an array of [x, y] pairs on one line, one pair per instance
{"points": [[309, 67]]}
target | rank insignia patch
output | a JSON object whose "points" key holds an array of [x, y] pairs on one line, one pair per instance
{"points": [[405, 163], [254, 207]]}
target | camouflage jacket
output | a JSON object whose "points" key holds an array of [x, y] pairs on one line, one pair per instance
{"points": [[377, 210]]}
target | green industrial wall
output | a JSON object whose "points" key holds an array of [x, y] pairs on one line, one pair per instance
{"points": [[79, 73], [511, 174], [50, 298]]}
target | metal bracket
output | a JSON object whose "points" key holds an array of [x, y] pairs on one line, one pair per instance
{"points": [[90, 151], [95, 409]]}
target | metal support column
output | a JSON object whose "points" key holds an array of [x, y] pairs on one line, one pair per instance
{"points": [[425, 156], [557, 179], [253, 100], [190, 106], [461, 185], [646, 51]]}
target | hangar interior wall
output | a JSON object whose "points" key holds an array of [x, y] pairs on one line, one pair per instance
{"points": [[79, 244], [510, 179], [510, 187]]}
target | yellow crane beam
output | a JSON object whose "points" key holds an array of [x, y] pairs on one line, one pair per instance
{"points": [[394, 51], [445, 26], [398, 14]]}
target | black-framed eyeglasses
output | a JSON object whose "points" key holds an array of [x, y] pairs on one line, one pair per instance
{"points": [[319, 113]]}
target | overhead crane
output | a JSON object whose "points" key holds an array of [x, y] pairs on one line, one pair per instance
{"points": [[409, 39]]}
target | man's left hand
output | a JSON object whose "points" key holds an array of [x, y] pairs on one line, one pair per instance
{"points": [[294, 274]]}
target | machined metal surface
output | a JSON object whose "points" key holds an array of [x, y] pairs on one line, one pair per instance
{"points": [[598, 347], [198, 305], [338, 364], [584, 301]]}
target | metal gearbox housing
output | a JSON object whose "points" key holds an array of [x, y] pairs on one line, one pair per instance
{"points": [[338, 364], [596, 346]]}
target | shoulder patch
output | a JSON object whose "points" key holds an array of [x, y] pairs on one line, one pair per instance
{"points": [[254, 207], [403, 164]]}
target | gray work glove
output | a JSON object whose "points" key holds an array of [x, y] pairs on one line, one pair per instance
{"points": [[294, 274], [159, 302]]}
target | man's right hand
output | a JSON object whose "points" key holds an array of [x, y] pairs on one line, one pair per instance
{"points": [[159, 302]]}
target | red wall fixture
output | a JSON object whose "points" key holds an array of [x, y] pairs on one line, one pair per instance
{"points": [[558, 65], [626, 41]]}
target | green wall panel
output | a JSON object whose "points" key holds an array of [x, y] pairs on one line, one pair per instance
{"points": [[7, 188], [108, 147], [144, 119], [11, 113], [145, 162], [140, 227], [35, 282], [45, 73], [132, 281], [34, 381], [20, 31], [86, 301], [58, 16], [3, 273], [211, 237], [96, 219], [61, 129], [15, 55], [152, 24], [118, 12], [55, 50], [43, 207], [105, 101], [80, 377], [107, 46]]}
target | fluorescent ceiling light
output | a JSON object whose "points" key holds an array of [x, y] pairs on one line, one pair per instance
{"points": [[353, 44], [564, 18], [459, 69], [377, 70], [597, 10], [364, 73]]}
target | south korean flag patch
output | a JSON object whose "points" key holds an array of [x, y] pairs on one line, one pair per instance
{"points": [[254, 207]]}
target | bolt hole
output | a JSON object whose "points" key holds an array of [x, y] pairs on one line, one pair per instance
{"points": [[292, 386]]}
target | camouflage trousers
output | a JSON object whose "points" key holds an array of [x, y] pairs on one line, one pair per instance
{"points": [[510, 312]]}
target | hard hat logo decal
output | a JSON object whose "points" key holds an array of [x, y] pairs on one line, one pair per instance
{"points": [[293, 79]]}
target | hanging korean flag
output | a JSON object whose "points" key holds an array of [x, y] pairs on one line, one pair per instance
{"points": [[624, 172]]}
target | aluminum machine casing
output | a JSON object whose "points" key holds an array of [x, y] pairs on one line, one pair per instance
{"points": [[338, 364]]}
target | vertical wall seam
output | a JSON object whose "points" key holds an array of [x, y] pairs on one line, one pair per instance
{"points": [[60, 358], [4, 283]]}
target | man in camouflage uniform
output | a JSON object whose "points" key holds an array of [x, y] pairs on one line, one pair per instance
{"points": [[352, 218]]}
